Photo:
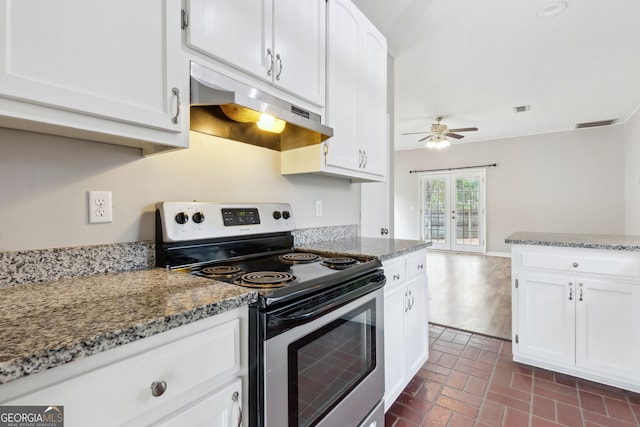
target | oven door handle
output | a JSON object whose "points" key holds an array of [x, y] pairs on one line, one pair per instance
{"points": [[296, 316]]}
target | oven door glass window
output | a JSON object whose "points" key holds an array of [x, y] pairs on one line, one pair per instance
{"points": [[327, 364]]}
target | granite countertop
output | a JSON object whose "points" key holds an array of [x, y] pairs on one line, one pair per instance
{"points": [[51, 323], [591, 241], [372, 246]]}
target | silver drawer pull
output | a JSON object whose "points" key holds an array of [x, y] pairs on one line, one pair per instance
{"points": [[235, 397], [158, 388], [175, 118], [575, 265], [396, 277]]}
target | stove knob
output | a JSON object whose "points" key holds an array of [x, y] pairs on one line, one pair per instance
{"points": [[276, 215], [286, 214], [182, 218], [198, 217]]}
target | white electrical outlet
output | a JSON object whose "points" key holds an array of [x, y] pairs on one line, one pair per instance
{"points": [[318, 207], [100, 207]]}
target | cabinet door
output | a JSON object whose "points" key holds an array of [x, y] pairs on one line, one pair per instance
{"points": [[395, 367], [299, 44], [237, 32], [343, 88], [221, 408], [546, 317], [374, 101], [607, 328], [417, 325], [113, 59]]}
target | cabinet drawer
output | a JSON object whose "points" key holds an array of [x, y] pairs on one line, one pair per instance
{"points": [[395, 271], [220, 408], [416, 264], [614, 265], [126, 384]]}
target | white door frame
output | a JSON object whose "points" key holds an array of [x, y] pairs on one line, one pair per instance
{"points": [[450, 177]]}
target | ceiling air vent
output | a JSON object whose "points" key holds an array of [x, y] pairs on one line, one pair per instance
{"points": [[521, 108], [596, 124]]}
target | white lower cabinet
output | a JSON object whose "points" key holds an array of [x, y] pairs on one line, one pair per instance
{"points": [[191, 375], [577, 311], [406, 329]]}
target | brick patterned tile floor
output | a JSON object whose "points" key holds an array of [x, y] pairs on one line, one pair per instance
{"points": [[470, 380]]}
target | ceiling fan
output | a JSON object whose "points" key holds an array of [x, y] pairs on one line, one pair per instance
{"points": [[439, 133]]}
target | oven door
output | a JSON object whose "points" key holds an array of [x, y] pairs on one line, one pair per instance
{"points": [[329, 371]]}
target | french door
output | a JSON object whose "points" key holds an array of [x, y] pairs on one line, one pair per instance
{"points": [[452, 210]]}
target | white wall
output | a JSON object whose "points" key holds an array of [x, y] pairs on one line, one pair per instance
{"points": [[44, 180], [561, 182], [632, 178]]}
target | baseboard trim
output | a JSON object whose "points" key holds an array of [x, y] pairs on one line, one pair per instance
{"points": [[501, 254]]}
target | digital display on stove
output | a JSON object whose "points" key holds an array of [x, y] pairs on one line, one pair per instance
{"points": [[234, 216]]}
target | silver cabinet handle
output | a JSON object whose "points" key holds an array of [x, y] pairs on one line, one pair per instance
{"points": [[575, 265], [235, 398], [396, 277], [420, 266], [360, 159], [580, 292], [175, 118], [158, 388], [366, 159], [384, 231], [279, 62], [406, 301], [411, 300], [270, 62], [570, 291]]}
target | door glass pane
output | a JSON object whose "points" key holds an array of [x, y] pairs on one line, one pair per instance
{"points": [[466, 212], [435, 193], [327, 364]]}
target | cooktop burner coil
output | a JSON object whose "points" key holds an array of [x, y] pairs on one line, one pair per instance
{"points": [[299, 257], [265, 279], [221, 271], [339, 263]]}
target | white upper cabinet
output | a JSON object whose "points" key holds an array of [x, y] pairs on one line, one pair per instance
{"points": [[280, 41], [356, 101], [107, 71]]}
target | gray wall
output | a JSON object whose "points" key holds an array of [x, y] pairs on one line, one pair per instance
{"points": [[561, 182], [44, 180], [632, 179]]}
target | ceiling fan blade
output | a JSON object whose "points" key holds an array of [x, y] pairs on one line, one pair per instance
{"points": [[463, 130], [415, 133], [454, 135], [426, 138]]}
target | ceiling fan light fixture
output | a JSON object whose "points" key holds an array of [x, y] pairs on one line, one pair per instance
{"points": [[438, 142]]}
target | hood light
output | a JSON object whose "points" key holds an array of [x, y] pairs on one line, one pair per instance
{"points": [[271, 124]]}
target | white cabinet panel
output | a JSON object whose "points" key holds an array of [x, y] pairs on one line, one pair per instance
{"points": [[282, 42], [607, 327], [356, 101], [577, 311], [406, 329], [114, 61], [546, 326]]}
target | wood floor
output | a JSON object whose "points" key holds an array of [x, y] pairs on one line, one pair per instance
{"points": [[470, 292]]}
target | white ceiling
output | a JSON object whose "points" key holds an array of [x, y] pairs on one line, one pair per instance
{"points": [[473, 61]]}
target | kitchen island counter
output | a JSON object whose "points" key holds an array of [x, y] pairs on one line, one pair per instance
{"points": [[52, 323], [570, 240], [381, 248]]}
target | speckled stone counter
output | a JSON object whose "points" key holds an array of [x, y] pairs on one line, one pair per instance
{"points": [[47, 324], [372, 246], [591, 241]]}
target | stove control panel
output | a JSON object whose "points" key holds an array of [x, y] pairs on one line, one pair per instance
{"points": [[182, 221]]}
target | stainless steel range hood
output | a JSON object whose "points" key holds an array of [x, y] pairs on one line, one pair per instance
{"points": [[227, 108]]}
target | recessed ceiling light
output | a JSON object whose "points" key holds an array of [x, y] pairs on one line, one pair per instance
{"points": [[553, 9]]}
